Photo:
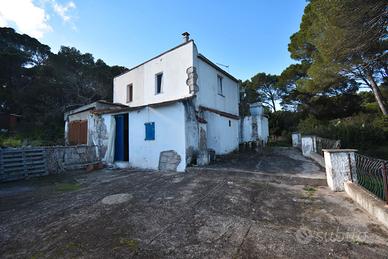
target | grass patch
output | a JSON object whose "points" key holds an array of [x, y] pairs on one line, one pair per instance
{"points": [[131, 244], [73, 245], [37, 255], [309, 190], [67, 187], [358, 242]]}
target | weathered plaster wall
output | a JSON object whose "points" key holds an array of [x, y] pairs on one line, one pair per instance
{"points": [[99, 131], [173, 65], [296, 140], [79, 116], [254, 128], [208, 90], [246, 128], [221, 137], [192, 132], [169, 135], [368, 201], [264, 125], [308, 145], [338, 167]]}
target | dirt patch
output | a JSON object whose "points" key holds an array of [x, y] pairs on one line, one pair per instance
{"points": [[276, 161], [116, 198]]}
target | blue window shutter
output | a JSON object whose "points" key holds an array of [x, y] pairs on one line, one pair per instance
{"points": [[149, 131]]}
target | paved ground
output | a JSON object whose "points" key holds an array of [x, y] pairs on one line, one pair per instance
{"points": [[205, 213], [281, 161]]}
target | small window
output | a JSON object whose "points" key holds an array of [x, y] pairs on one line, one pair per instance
{"points": [[159, 82], [219, 84], [230, 123], [149, 130], [129, 93]]}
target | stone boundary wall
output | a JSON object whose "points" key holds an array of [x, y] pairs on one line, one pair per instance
{"points": [[369, 202], [63, 158], [27, 162]]}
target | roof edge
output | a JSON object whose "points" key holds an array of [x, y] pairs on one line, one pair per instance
{"points": [[161, 54], [134, 108], [206, 60]]}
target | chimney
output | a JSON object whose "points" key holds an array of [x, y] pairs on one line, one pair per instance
{"points": [[186, 36]]}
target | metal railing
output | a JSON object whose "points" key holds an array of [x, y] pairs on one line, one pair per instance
{"points": [[372, 175], [325, 143]]}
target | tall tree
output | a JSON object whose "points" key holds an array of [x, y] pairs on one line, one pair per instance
{"points": [[267, 88], [344, 39], [41, 85]]}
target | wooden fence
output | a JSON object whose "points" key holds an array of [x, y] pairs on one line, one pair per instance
{"points": [[22, 163]]}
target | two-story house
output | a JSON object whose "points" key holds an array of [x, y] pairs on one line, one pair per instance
{"points": [[181, 108]]}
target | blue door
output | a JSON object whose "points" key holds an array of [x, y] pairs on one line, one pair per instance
{"points": [[119, 142]]}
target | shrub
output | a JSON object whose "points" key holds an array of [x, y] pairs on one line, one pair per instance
{"points": [[8, 141], [365, 132]]}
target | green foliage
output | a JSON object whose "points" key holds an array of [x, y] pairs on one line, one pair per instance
{"points": [[41, 85], [283, 123], [343, 42], [260, 88], [310, 191], [364, 132], [10, 141], [67, 187]]}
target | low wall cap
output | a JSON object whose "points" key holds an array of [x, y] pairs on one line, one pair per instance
{"points": [[339, 150]]}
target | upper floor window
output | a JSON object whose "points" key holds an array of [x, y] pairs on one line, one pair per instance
{"points": [[129, 93], [158, 83], [219, 85]]}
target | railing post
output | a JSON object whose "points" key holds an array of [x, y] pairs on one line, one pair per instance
{"points": [[385, 180], [350, 168]]}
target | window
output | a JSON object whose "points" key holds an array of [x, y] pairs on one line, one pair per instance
{"points": [[129, 93], [230, 123], [149, 130], [159, 82], [219, 84]]}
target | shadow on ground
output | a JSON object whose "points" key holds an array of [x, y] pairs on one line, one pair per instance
{"points": [[206, 214]]}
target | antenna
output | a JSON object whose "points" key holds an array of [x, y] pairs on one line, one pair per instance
{"points": [[226, 66]]}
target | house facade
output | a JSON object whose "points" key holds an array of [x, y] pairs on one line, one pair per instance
{"points": [[180, 109]]}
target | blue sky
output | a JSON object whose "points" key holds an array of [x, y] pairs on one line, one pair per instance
{"points": [[249, 36]]}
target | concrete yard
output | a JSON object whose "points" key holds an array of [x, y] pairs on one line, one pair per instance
{"points": [[271, 204]]}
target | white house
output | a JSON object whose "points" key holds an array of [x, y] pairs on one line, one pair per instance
{"points": [[180, 108]]}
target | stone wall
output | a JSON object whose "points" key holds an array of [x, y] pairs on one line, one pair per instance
{"points": [[169, 160], [62, 158]]}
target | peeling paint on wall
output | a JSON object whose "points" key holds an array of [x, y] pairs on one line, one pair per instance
{"points": [[191, 125], [98, 133], [191, 81]]}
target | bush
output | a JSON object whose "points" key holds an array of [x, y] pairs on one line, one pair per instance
{"points": [[365, 132], [283, 123], [7, 141]]}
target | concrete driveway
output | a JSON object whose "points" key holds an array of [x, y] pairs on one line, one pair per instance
{"points": [[205, 213]]}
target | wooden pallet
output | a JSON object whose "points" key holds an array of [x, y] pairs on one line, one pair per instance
{"points": [[21, 163]]}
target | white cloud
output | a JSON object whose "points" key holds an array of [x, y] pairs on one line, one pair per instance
{"points": [[26, 16], [63, 9]]}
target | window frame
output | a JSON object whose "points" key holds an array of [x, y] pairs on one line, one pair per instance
{"points": [[161, 83], [129, 93], [148, 137], [220, 86]]}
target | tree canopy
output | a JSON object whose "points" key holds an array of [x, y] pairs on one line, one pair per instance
{"points": [[344, 45], [41, 85]]}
